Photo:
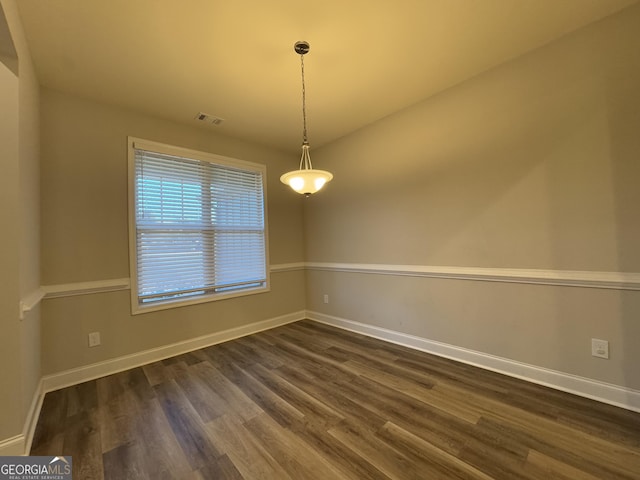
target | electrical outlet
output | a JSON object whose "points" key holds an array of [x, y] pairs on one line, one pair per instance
{"points": [[326, 298], [94, 339], [599, 348]]}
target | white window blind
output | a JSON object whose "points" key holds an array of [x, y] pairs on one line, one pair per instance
{"points": [[199, 228]]}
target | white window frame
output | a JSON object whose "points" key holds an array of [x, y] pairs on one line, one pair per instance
{"points": [[140, 144]]}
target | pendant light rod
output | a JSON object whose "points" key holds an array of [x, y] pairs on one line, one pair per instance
{"points": [[304, 50]]}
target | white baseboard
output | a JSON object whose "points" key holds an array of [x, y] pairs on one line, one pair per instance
{"points": [[13, 446], [603, 392], [32, 417], [119, 364], [21, 444]]}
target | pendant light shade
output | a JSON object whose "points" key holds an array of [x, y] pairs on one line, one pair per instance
{"points": [[306, 180]]}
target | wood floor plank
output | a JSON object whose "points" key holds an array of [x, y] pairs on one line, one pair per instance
{"points": [[198, 392], [82, 441], [402, 384], [312, 343], [349, 340], [496, 458], [552, 437], [251, 459], [417, 391], [604, 459], [438, 463], [279, 409], [440, 428], [191, 358], [297, 459], [50, 429], [357, 346], [221, 469], [383, 456], [160, 447], [554, 469], [347, 461], [82, 398], [333, 395], [124, 461], [603, 421], [441, 371], [156, 373], [376, 361], [317, 365], [186, 426], [233, 397], [310, 406], [229, 354], [117, 417], [261, 350], [309, 401]]}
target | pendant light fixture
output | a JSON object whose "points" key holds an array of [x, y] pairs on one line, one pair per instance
{"points": [[306, 180]]}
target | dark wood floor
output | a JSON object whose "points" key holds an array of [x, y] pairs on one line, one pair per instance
{"points": [[308, 401]]}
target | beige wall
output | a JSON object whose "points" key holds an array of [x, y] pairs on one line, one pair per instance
{"points": [[10, 293], [29, 211], [19, 215], [84, 234], [533, 164]]}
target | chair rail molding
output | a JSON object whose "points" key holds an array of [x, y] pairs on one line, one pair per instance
{"points": [[31, 301], [85, 288], [569, 278], [117, 284]]}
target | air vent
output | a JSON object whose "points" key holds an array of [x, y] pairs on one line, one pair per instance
{"points": [[205, 117]]}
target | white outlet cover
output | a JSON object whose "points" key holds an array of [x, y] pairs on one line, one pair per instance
{"points": [[94, 339], [599, 348]]}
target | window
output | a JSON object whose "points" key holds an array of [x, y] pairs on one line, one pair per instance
{"points": [[197, 226]]}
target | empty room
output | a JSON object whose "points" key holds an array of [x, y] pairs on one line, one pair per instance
{"points": [[322, 240]]}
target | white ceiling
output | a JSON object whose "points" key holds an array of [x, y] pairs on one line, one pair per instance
{"points": [[234, 58]]}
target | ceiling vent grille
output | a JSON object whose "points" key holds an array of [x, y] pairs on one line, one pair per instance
{"points": [[205, 117]]}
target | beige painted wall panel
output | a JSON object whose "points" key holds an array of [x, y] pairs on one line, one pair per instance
{"points": [[29, 148], [20, 182], [29, 250], [10, 376], [540, 325], [19, 207], [84, 186], [69, 320], [533, 164]]}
